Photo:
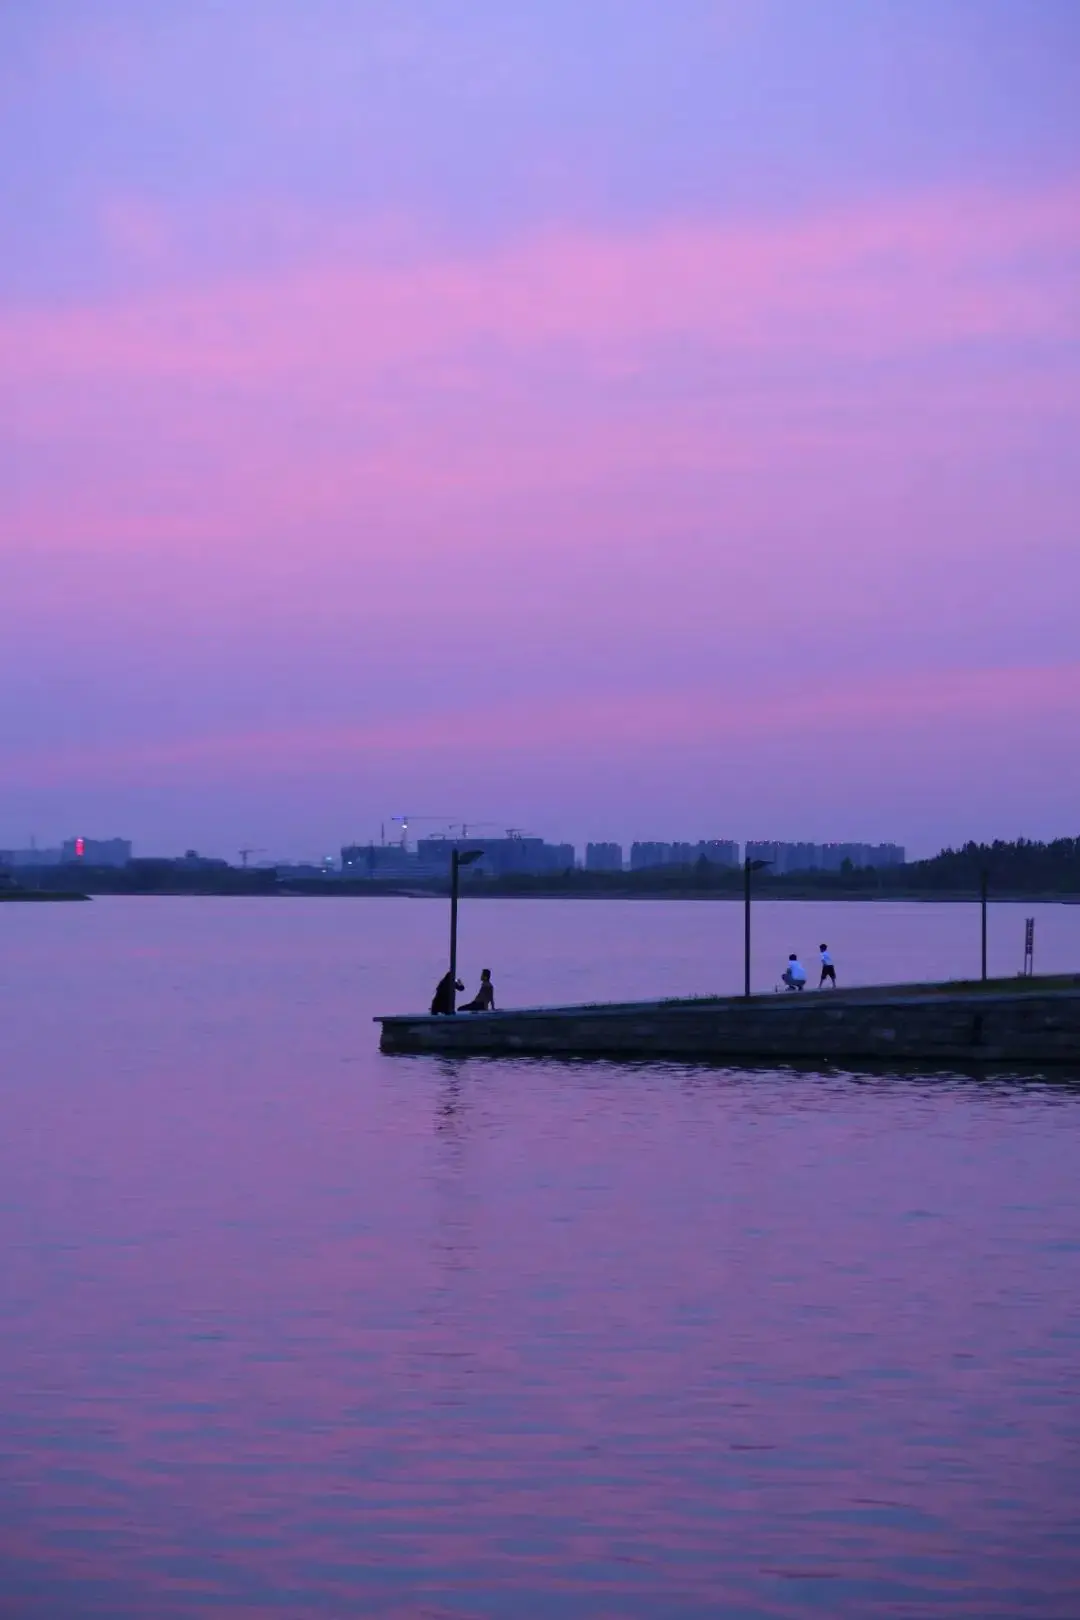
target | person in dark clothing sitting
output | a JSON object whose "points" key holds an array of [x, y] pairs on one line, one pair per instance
{"points": [[484, 1000], [443, 999]]}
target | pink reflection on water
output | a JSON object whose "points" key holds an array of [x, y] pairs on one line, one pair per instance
{"points": [[292, 1329]]}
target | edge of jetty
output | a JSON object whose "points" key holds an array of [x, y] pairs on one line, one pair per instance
{"points": [[16, 895], [999, 1021]]}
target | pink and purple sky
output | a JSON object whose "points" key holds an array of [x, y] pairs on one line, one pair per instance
{"points": [[602, 417]]}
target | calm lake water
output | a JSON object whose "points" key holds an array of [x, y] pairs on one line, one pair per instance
{"points": [[288, 1328]]}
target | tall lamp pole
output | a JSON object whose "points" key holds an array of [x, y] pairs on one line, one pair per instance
{"points": [[984, 879], [458, 859], [748, 867]]}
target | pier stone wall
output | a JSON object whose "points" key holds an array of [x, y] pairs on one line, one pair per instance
{"points": [[1012, 1026]]}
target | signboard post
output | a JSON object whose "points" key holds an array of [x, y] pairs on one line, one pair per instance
{"points": [[1029, 948]]}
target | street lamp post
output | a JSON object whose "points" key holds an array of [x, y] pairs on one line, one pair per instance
{"points": [[748, 867], [984, 879], [458, 859]]}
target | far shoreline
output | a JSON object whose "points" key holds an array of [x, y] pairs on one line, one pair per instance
{"points": [[339, 891]]}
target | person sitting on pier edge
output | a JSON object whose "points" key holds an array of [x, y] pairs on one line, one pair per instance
{"points": [[828, 968], [794, 975], [484, 1000], [443, 999]]}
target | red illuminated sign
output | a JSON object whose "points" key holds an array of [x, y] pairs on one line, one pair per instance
{"points": [[80, 848]]}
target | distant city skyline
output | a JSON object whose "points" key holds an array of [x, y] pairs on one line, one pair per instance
{"points": [[503, 852], [32, 849], [641, 419]]}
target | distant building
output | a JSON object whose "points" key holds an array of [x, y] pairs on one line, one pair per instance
{"points": [[96, 851], [501, 857], [784, 857], [514, 855], [192, 861], [603, 858], [801, 857], [718, 851], [29, 857], [376, 862], [646, 853], [834, 856]]}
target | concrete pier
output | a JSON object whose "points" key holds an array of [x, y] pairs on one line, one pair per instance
{"points": [[1028, 1021]]}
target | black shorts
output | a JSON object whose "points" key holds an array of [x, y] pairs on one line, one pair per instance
{"points": [[827, 972]]}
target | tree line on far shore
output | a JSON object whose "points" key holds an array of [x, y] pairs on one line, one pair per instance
{"points": [[1021, 864]]}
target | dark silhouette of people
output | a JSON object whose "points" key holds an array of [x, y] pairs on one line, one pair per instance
{"points": [[828, 968], [484, 999], [443, 999]]}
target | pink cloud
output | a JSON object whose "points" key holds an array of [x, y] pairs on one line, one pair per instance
{"points": [[930, 705], [632, 493], [354, 392], [870, 282]]}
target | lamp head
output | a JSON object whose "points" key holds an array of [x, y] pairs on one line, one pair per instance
{"points": [[465, 857]]}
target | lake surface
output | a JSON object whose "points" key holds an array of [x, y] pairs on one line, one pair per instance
{"points": [[288, 1328]]}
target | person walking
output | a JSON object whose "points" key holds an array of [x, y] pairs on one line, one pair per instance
{"points": [[828, 969]]}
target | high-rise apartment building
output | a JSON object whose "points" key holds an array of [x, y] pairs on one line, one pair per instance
{"points": [[96, 851], [801, 857], [29, 857], [603, 858], [502, 857], [717, 851]]}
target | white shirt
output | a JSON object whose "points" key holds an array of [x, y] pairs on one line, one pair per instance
{"points": [[796, 970], [826, 959]]}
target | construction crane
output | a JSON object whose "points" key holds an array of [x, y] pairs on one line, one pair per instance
{"points": [[465, 827], [406, 822], [253, 849]]}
